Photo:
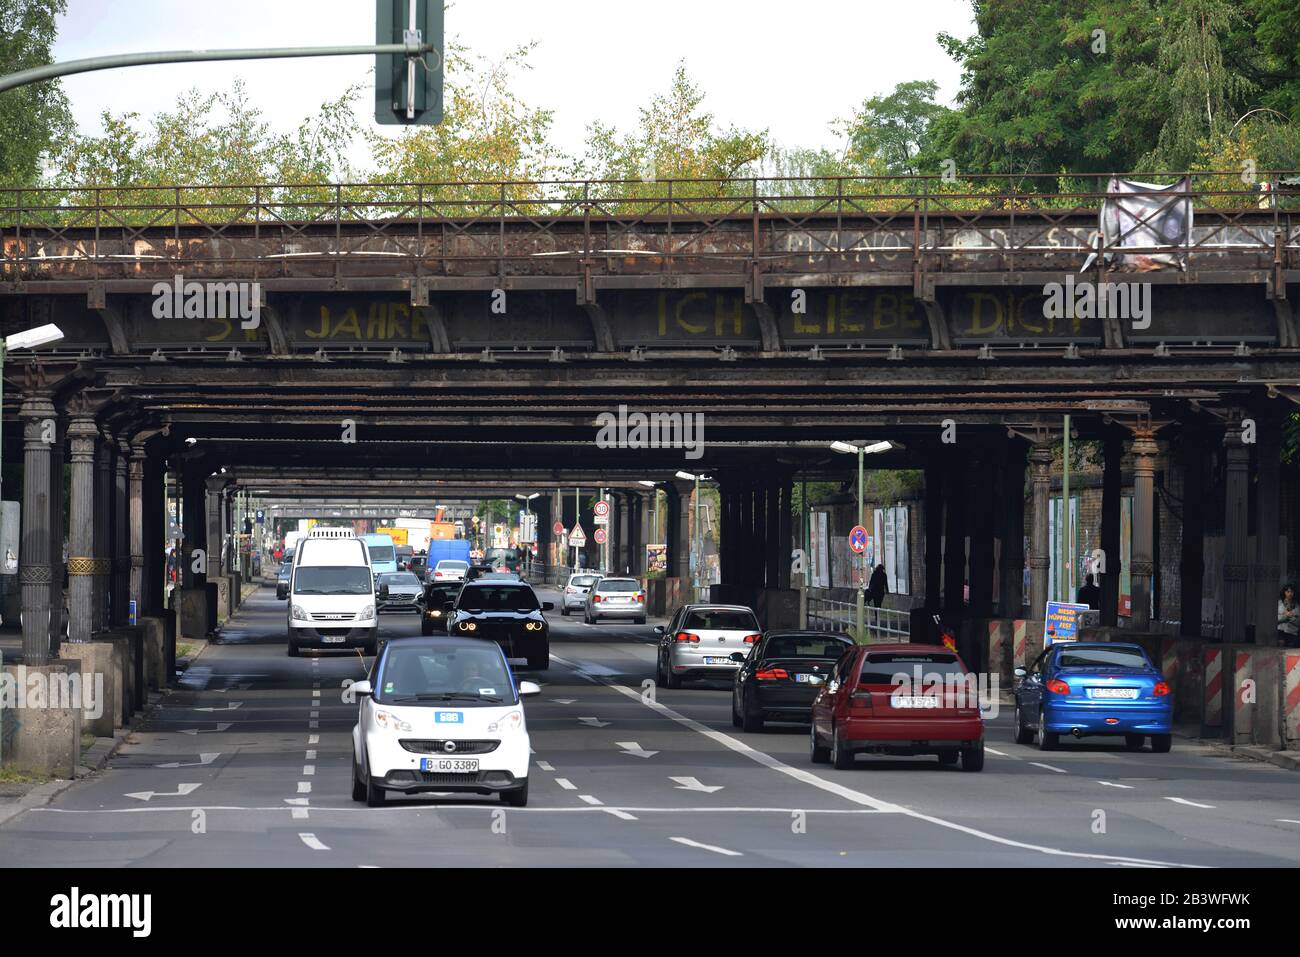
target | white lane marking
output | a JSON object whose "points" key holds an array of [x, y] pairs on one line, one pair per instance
{"points": [[312, 841], [564, 700], [566, 784], [593, 722], [619, 814], [477, 806], [230, 706], [216, 730], [204, 759], [693, 784], [706, 847], [314, 714], [313, 739], [298, 813], [1208, 807], [1286, 820], [311, 755], [545, 766], [308, 770], [304, 787], [634, 749], [313, 724], [1001, 754], [315, 691], [595, 802], [1131, 864], [180, 791], [857, 797], [1049, 767], [1112, 784]]}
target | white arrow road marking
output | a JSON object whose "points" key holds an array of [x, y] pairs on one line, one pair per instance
{"points": [[1048, 767], [217, 729], [693, 784], [312, 841], [181, 791], [594, 722], [564, 700], [1286, 820], [229, 706], [204, 759], [1208, 807], [1111, 784], [706, 847], [634, 749]]}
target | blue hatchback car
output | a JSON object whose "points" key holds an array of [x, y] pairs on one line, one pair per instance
{"points": [[1093, 688]]}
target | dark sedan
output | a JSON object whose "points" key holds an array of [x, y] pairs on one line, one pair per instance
{"points": [[439, 603], [405, 593], [774, 683], [508, 613]]}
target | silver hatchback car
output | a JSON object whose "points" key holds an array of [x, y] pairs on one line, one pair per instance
{"points": [[615, 598], [700, 640], [574, 597]]}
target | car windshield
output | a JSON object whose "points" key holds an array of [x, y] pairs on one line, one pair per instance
{"points": [[582, 581], [497, 598], [1100, 658], [617, 584], [333, 580], [381, 553], [882, 669], [434, 677], [718, 619], [401, 580], [443, 594], [804, 646]]}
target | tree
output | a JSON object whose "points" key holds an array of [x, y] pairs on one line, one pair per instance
{"points": [[34, 119], [888, 133]]}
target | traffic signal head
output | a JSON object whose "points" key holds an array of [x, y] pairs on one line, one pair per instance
{"points": [[408, 91]]}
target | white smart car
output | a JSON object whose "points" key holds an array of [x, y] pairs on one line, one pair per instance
{"points": [[441, 714]]}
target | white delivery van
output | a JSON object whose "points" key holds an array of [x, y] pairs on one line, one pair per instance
{"points": [[331, 593]]}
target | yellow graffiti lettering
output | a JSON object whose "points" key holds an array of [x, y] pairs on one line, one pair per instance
{"points": [[351, 324], [1023, 315], [324, 329], [681, 304], [907, 309], [398, 314], [848, 308], [375, 323], [226, 328], [977, 301], [727, 309], [885, 315]]}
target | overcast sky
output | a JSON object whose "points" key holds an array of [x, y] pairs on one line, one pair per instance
{"points": [[789, 67]]}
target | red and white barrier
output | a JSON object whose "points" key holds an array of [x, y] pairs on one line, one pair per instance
{"points": [[1213, 659], [1291, 699]]}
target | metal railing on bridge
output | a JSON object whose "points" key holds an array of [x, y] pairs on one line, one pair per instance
{"points": [[880, 624]]}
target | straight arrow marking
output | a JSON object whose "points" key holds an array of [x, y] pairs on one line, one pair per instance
{"points": [[594, 722], [230, 706], [204, 760], [219, 727], [634, 749], [181, 791], [693, 784]]}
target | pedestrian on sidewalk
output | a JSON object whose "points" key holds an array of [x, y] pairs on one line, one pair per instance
{"points": [[1288, 618], [878, 587]]}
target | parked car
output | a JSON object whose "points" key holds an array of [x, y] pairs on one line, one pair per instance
{"points": [[900, 699], [615, 598], [405, 593], [439, 602], [699, 641], [441, 715], [775, 680], [508, 613], [450, 569], [574, 596], [1093, 688]]}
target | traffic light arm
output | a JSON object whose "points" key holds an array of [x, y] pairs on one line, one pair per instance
{"points": [[412, 49]]}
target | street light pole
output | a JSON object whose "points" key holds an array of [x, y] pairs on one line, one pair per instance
{"points": [[862, 451]]}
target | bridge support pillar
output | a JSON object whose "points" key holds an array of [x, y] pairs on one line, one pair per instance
{"points": [[784, 531], [153, 533], [954, 545], [81, 533], [623, 508], [135, 500], [34, 558], [1041, 479], [102, 519], [121, 532], [1268, 465], [1144, 450], [635, 534], [679, 532], [57, 501], [983, 503], [194, 614], [774, 546], [934, 473], [1011, 529], [1111, 485], [1194, 452]]}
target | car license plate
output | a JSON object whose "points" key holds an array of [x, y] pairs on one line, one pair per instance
{"points": [[333, 639], [718, 661], [448, 717], [802, 679], [916, 701], [1113, 692], [450, 765]]}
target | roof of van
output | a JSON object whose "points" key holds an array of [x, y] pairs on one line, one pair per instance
{"points": [[333, 551]]}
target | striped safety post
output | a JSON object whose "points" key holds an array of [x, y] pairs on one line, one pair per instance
{"points": [[1018, 635], [1291, 704], [1213, 669], [998, 649], [1243, 699]]}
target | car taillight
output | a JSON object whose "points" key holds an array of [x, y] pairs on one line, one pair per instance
{"points": [[640, 596], [750, 639], [595, 598], [1057, 686], [1161, 689], [772, 674], [687, 636]]}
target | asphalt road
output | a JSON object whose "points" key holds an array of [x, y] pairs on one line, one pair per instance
{"points": [[248, 765]]}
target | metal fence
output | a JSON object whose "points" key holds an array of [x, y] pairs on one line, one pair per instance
{"points": [[880, 624]]}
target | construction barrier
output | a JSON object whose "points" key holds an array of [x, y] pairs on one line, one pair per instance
{"points": [[1212, 668], [1291, 700]]}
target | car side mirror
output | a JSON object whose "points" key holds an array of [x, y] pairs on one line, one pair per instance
{"points": [[529, 688], [737, 656], [282, 590], [548, 606], [1021, 673], [361, 688], [659, 629]]}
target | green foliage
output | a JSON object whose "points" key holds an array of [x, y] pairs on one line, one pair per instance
{"points": [[889, 133], [34, 119]]}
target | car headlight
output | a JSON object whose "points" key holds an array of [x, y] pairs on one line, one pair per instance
{"points": [[435, 613], [367, 612], [391, 722], [510, 722], [468, 626], [533, 625], [297, 613]]}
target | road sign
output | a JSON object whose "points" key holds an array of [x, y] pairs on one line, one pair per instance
{"points": [[601, 509], [577, 537], [406, 91], [601, 535], [558, 528], [858, 539], [601, 519], [1062, 621]]}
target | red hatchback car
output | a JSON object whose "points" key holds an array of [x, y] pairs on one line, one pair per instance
{"points": [[898, 699]]}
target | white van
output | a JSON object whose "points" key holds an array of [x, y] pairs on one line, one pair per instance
{"points": [[331, 593]]}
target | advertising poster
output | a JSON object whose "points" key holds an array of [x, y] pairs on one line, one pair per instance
{"points": [[1062, 622]]}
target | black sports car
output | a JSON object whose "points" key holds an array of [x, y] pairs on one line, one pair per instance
{"points": [[775, 683], [508, 613], [439, 602]]}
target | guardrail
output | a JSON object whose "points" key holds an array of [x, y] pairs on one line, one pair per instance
{"points": [[880, 624]]}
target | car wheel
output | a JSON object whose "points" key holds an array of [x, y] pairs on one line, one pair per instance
{"points": [[639, 621], [736, 721], [518, 797], [841, 758], [750, 721], [949, 756], [671, 680], [972, 759], [540, 661], [294, 650], [816, 752], [374, 794], [1134, 742], [564, 610], [426, 628], [1047, 740], [358, 787], [1161, 743], [1023, 734]]}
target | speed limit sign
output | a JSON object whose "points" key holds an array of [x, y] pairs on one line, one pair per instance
{"points": [[602, 508]]}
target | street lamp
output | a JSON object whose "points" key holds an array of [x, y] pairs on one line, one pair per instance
{"points": [[699, 529], [27, 339], [528, 507], [861, 450]]}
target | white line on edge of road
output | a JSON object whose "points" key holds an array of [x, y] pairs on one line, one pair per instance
{"points": [[1112, 784], [312, 841], [1049, 767], [857, 797], [1208, 807], [706, 847]]}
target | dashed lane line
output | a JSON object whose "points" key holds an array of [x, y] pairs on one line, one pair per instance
{"points": [[707, 847], [312, 841]]}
